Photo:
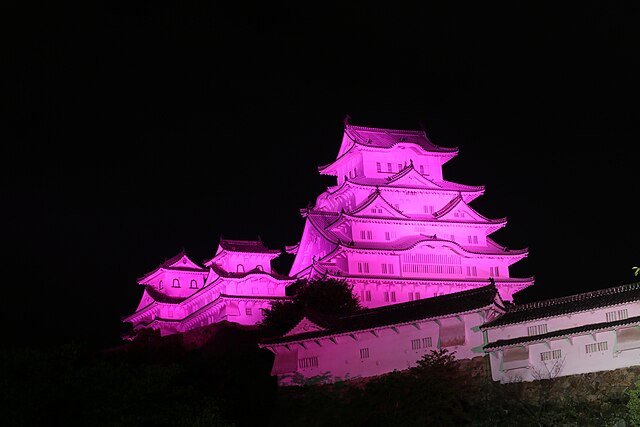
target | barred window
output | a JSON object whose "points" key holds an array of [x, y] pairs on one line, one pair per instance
{"points": [[419, 343], [308, 362], [537, 329], [387, 268], [596, 346], [612, 316], [550, 355]]}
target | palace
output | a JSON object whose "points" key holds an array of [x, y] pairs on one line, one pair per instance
{"points": [[423, 264]]}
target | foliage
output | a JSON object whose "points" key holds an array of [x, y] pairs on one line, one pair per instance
{"points": [[323, 296], [70, 386], [215, 384], [633, 405], [436, 361]]}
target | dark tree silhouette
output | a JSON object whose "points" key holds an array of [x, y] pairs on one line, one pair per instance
{"points": [[330, 297]]}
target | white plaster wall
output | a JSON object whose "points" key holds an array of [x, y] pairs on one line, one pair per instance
{"points": [[388, 351], [574, 359], [561, 322]]}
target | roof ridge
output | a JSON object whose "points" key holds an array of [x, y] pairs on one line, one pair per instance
{"points": [[576, 297]]}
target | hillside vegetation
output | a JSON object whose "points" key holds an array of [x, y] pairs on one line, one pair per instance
{"points": [[217, 376]]}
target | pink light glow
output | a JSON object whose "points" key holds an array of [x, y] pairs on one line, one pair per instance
{"points": [[393, 228]]}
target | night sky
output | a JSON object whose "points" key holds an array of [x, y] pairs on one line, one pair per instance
{"points": [[133, 132]]}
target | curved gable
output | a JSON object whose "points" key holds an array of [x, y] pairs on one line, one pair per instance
{"points": [[182, 261], [305, 325]]}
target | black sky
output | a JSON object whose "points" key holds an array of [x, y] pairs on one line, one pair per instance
{"points": [[133, 132]]}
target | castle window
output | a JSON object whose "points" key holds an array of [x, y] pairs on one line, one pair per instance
{"points": [[431, 263], [364, 353], [612, 316], [308, 362], [248, 311], [387, 268], [194, 284], [537, 329], [160, 285], [550, 355], [419, 343], [378, 167], [596, 347], [363, 267], [176, 283], [366, 234]]}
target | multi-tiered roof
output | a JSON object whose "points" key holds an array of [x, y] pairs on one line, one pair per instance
{"points": [[396, 229], [235, 285]]}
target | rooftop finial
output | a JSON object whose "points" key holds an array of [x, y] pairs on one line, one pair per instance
{"points": [[346, 120]]}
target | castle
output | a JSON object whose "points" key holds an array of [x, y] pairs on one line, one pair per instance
{"points": [[421, 261]]}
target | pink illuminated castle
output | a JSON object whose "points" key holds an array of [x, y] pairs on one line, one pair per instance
{"points": [[235, 285], [422, 263], [395, 229], [392, 227]]}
